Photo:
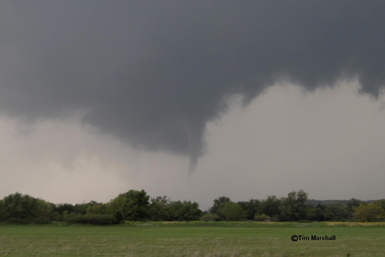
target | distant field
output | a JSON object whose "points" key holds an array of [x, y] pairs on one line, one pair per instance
{"points": [[193, 239]]}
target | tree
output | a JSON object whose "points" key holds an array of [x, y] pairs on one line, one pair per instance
{"points": [[24, 208], [317, 213], [97, 208], [270, 206], [252, 206], [190, 211], [369, 213], [19, 207], [82, 208], [219, 203], [233, 212], [336, 211], [159, 209], [132, 205], [294, 207], [60, 208], [2, 211], [352, 204], [380, 203], [43, 211], [184, 211]]}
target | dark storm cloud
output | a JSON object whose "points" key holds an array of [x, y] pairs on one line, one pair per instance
{"points": [[152, 73]]}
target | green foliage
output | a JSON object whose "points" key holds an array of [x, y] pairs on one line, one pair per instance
{"points": [[271, 206], [252, 206], [369, 213], [294, 207], [190, 211], [262, 217], [132, 205], [43, 212], [97, 208], [92, 219], [162, 209], [184, 211], [118, 216], [82, 208], [19, 208], [351, 205], [225, 209], [159, 209], [317, 213], [62, 211], [2, 211], [380, 203], [336, 211], [219, 203], [210, 217], [233, 212], [60, 208]]}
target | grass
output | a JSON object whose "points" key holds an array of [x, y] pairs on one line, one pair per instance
{"points": [[193, 239]]}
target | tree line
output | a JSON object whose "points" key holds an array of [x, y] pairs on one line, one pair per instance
{"points": [[136, 205]]}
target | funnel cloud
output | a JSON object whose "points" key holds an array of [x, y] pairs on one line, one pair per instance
{"points": [[154, 73]]}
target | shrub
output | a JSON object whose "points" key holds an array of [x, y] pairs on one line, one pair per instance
{"points": [[233, 212], [369, 213], [210, 217], [262, 217], [94, 219], [18, 221]]}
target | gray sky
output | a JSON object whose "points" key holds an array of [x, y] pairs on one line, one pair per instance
{"points": [[250, 98]]}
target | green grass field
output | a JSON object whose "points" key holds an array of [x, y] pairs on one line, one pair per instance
{"points": [[193, 239]]}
